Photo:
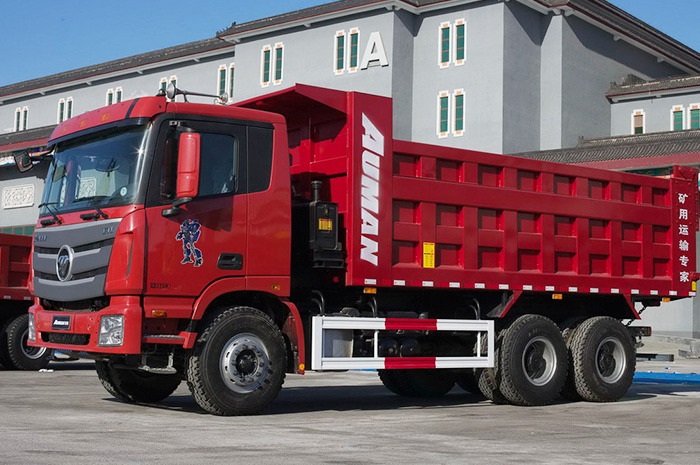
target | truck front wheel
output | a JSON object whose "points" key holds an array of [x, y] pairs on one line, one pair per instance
{"points": [[533, 361], [237, 366], [15, 353], [603, 359], [135, 386]]}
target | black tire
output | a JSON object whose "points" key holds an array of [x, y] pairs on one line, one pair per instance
{"points": [[468, 382], [260, 354], [134, 386], [4, 353], [568, 391], [604, 359], [487, 379], [533, 361], [16, 354], [418, 383]]}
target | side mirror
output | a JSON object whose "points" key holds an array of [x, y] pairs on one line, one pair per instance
{"points": [[188, 167], [23, 161]]}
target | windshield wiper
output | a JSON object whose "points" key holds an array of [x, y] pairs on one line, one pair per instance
{"points": [[55, 219], [93, 199]]}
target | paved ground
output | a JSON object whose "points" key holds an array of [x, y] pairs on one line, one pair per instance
{"points": [[65, 417]]}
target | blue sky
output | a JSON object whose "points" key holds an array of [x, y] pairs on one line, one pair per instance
{"points": [[43, 37]]}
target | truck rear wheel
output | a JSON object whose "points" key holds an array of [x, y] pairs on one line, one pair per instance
{"points": [[15, 353], [418, 383], [603, 359], [568, 328], [487, 378], [237, 366], [533, 361], [134, 386]]}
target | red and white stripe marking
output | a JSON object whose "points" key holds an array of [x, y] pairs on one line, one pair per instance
{"points": [[320, 361]]}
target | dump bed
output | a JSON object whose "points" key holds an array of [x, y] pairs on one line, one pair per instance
{"points": [[417, 215], [14, 266]]}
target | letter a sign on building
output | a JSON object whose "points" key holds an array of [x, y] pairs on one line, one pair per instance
{"points": [[374, 52]]}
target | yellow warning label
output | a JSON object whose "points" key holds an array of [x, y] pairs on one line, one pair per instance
{"points": [[694, 286], [428, 254], [325, 224]]}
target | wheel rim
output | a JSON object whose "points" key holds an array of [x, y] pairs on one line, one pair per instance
{"points": [[244, 363], [539, 361], [610, 360], [32, 353]]}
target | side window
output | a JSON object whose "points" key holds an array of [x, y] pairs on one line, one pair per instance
{"points": [[218, 164], [259, 158]]}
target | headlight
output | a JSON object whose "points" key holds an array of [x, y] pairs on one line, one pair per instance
{"points": [[32, 330], [111, 331]]}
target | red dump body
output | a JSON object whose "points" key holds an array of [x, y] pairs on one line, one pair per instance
{"points": [[14, 266], [417, 215]]}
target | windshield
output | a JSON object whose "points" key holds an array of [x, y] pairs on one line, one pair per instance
{"points": [[101, 171]]}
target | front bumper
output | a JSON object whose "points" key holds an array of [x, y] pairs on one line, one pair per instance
{"points": [[83, 331]]}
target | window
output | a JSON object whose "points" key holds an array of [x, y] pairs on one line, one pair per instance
{"points": [[677, 119], [219, 164], [339, 52], [695, 117], [460, 42], [173, 80], [444, 45], [110, 97], [118, 94], [231, 73], [163, 84], [61, 110], [18, 119], [354, 46], [266, 56], [443, 114], [222, 79], [25, 114], [459, 113], [69, 107], [638, 122], [279, 51]]}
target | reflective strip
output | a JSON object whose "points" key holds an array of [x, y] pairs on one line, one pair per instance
{"points": [[635, 291], [371, 282], [672, 292], [654, 292], [549, 288], [691, 294], [594, 290], [614, 291], [6, 297], [427, 284], [479, 286], [503, 286], [527, 287], [573, 289], [399, 282], [454, 285]]}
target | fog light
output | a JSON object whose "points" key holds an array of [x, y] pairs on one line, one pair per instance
{"points": [[32, 329], [111, 331]]}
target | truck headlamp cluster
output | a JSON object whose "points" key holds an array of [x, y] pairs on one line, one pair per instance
{"points": [[111, 331]]}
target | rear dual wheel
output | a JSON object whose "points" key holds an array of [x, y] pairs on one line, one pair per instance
{"points": [[603, 359]]}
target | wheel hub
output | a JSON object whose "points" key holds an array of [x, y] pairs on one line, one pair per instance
{"points": [[610, 360], [31, 353], [539, 361], [244, 363]]}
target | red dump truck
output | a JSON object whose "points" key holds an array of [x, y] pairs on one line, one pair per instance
{"points": [[229, 245], [16, 299]]}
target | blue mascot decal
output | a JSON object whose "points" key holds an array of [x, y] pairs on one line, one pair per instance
{"points": [[189, 234]]}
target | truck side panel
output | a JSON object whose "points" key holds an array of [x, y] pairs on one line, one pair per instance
{"points": [[14, 266]]}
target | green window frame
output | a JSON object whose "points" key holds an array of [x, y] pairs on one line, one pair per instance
{"points": [[354, 45], [340, 52], [18, 120], [460, 42], [459, 112], [695, 118], [266, 66], [119, 95], [445, 45], [163, 85], [110, 97], [678, 120], [638, 124], [173, 81], [444, 114], [25, 115], [222, 80], [61, 110], [278, 63], [69, 108], [232, 70]]}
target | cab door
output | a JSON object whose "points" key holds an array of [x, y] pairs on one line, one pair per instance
{"points": [[207, 238]]}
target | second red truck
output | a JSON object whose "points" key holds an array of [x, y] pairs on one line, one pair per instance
{"points": [[229, 245]]}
